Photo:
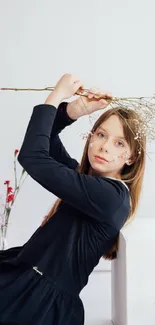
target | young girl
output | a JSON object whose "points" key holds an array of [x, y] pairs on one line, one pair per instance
{"points": [[40, 282]]}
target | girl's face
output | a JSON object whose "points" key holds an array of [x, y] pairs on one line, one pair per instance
{"points": [[108, 142]]}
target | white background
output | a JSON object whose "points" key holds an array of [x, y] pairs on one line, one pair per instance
{"points": [[108, 44]]}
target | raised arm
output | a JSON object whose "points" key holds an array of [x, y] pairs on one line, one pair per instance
{"points": [[98, 197], [57, 149]]}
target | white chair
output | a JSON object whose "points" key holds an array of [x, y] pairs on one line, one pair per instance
{"points": [[133, 275]]}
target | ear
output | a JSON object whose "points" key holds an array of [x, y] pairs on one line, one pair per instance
{"points": [[130, 161]]}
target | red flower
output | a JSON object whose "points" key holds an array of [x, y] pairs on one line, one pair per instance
{"points": [[15, 152], [7, 182], [10, 198], [10, 189]]}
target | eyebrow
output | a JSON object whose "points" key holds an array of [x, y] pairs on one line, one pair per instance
{"points": [[100, 127]]}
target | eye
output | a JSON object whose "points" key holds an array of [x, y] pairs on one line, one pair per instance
{"points": [[120, 144], [100, 133]]}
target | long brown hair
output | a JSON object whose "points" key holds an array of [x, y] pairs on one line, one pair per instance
{"points": [[132, 175]]}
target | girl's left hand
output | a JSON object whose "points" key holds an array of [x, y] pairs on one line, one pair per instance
{"points": [[88, 104], [94, 100]]}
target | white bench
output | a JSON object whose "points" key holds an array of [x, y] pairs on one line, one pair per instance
{"points": [[133, 275]]}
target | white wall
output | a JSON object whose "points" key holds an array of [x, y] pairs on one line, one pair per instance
{"points": [[108, 44]]}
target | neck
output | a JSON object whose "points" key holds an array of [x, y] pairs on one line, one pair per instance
{"points": [[95, 173]]}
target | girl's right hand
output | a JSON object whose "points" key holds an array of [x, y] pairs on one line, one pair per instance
{"points": [[65, 88]]}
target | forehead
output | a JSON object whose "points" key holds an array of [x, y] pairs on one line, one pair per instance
{"points": [[113, 126]]}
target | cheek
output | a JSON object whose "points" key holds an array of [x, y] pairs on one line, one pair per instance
{"points": [[94, 143], [90, 149], [118, 162], [123, 157], [126, 156], [91, 144]]}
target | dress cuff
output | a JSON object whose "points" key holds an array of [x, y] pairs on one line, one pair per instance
{"points": [[63, 109]]}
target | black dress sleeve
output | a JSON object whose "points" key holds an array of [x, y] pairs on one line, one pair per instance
{"points": [[98, 197], [57, 149]]}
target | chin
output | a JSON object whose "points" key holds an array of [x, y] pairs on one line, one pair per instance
{"points": [[97, 170], [98, 166]]}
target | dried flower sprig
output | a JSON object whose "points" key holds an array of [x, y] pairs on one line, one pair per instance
{"points": [[11, 196], [144, 125], [144, 107]]}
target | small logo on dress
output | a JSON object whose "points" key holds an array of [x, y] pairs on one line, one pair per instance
{"points": [[36, 269]]}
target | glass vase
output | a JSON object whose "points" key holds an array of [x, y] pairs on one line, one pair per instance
{"points": [[3, 241]]}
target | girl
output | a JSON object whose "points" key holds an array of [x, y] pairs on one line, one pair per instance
{"points": [[40, 282]]}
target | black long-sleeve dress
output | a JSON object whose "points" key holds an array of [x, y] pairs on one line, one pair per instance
{"points": [[40, 282]]}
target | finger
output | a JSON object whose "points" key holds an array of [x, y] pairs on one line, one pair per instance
{"points": [[75, 80], [93, 93], [107, 94], [81, 89], [90, 93], [103, 102], [78, 85], [103, 95], [97, 93]]}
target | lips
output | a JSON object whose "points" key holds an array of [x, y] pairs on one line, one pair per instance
{"points": [[102, 158]]}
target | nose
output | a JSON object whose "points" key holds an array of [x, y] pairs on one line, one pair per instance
{"points": [[104, 146], [103, 149]]}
